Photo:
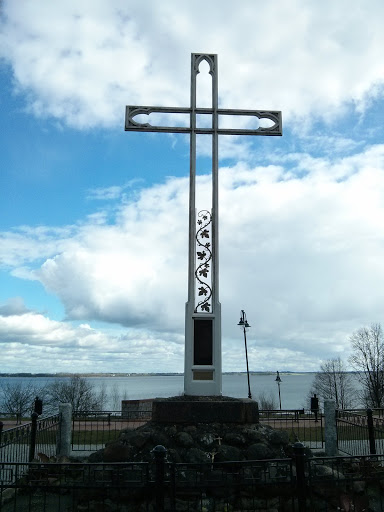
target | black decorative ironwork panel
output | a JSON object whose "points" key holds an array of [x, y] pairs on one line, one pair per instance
{"points": [[204, 262]]}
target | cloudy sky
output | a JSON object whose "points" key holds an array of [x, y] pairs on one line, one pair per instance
{"points": [[93, 220]]}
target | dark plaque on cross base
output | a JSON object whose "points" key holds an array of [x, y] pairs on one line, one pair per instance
{"points": [[203, 342]]}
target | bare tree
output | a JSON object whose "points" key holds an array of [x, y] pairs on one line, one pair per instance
{"points": [[368, 360], [267, 402], [78, 392], [18, 397], [333, 382], [116, 396]]}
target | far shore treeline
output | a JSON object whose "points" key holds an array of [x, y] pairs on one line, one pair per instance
{"points": [[168, 374]]}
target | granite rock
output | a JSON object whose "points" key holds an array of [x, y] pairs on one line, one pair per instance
{"points": [[201, 442]]}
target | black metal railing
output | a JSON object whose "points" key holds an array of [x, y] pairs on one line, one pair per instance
{"points": [[21, 444], [301, 425], [48, 487], [248, 485], [297, 483], [344, 483], [91, 430], [360, 431], [378, 429]]}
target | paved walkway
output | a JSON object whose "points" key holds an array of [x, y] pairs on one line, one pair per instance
{"points": [[7, 424]]}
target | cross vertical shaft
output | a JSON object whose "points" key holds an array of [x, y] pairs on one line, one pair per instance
{"points": [[202, 365]]}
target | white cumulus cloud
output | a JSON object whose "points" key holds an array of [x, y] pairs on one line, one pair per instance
{"points": [[301, 250], [79, 62]]}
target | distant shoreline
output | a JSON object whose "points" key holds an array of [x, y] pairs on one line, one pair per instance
{"points": [[112, 374]]}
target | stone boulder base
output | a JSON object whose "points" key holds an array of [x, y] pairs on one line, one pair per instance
{"points": [[197, 443]]}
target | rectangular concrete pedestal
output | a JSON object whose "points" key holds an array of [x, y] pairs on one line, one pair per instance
{"points": [[205, 410]]}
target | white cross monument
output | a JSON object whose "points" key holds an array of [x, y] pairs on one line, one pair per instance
{"points": [[202, 370]]}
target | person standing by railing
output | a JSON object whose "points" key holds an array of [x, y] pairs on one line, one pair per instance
{"points": [[315, 406], [38, 406]]}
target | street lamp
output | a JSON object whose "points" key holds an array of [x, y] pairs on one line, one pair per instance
{"points": [[278, 380], [245, 325]]}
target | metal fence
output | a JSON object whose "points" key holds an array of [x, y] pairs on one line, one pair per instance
{"points": [[360, 431], [378, 430], [292, 484], [62, 487], [91, 430], [300, 424], [21, 444], [344, 483], [357, 433]]}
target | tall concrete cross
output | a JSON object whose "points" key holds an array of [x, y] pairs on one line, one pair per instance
{"points": [[202, 369]]}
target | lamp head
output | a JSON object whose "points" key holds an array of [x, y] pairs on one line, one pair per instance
{"points": [[243, 320]]}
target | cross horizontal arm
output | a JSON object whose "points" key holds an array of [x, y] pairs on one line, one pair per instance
{"points": [[133, 111]]}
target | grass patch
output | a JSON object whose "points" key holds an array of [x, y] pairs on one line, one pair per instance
{"points": [[92, 437]]}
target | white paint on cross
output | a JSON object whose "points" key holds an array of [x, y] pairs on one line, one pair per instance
{"points": [[202, 367]]}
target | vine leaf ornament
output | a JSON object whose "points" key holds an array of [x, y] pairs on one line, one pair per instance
{"points": [[202, 272]]}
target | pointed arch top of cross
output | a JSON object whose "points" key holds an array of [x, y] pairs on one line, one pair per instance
{"points": [[209, 59], [273, 115]]}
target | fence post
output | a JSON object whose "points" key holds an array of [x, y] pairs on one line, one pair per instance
{"points": [[159, 452], [32, 441], [371, 432], [64, 434], [330, 428], [172, 479], [299, 456]]}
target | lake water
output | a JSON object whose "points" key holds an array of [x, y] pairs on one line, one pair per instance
{"points": [[295, 387]]}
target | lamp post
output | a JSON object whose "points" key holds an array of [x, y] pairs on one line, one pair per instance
{"points": [[278, 380], [245, 325]]}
